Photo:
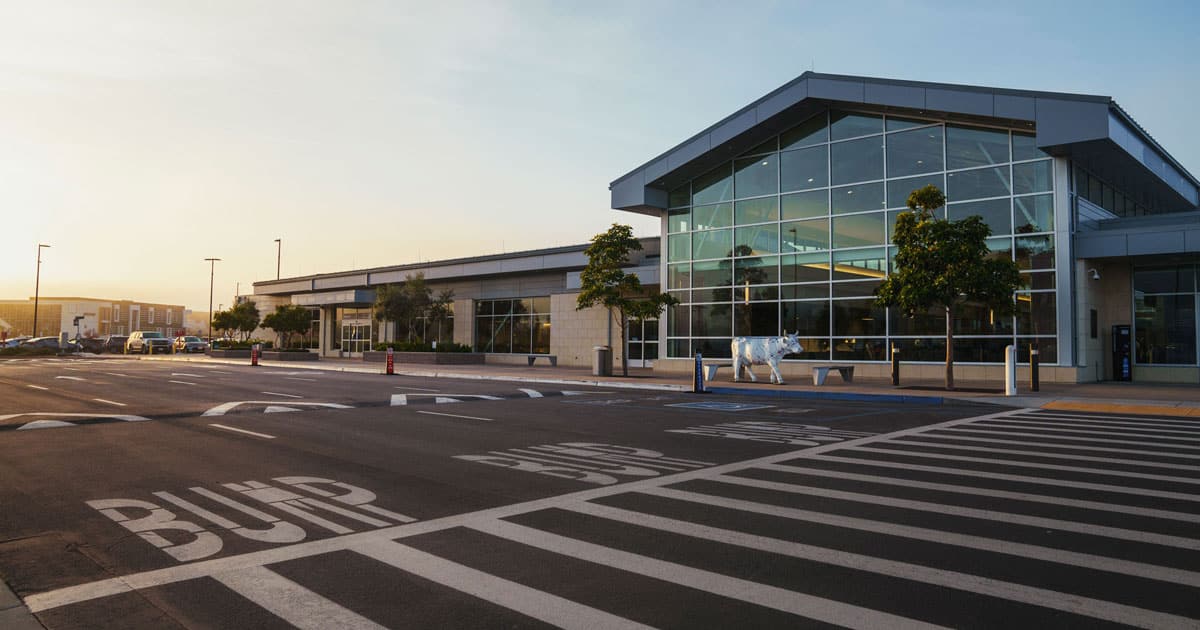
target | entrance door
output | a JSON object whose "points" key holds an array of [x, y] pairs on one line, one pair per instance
{"points": [[643, 342], [355, 331]]}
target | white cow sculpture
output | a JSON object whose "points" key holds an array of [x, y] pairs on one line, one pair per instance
{"points": [[748, 351]]}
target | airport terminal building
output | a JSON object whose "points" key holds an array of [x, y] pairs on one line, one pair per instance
{"points": [[778, 218]]}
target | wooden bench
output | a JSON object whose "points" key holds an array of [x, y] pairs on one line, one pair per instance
{"points": [[822, 371], [552, 358]]}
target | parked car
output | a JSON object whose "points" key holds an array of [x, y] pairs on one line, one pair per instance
{"points": [[190, 344], [114, 343], [91, 344], [49, 342], [147, 342], [13, 342]]}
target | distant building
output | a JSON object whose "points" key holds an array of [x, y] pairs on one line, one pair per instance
{"points": [[99, 317]]}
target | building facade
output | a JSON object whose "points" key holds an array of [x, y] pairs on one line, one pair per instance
{"points": [[509, 306], [98, 317], [779, 218]]}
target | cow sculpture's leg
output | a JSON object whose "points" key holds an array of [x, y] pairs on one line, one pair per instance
{"points": [[776, 377]]}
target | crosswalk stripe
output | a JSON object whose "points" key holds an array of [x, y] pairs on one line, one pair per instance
{"points": [[1059, 425], [818, 608], [1017, 451], [531, 602], [988, 492], [291, 602], [1035, 552], [1031, 427], [956, 510], [1192, 424], [1075, 447], [1085, 606], [1132, 419], [1024, 464], [1045, 481], [1077, 438]]}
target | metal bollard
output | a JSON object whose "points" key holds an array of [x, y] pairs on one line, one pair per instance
{"points": [[1010, 370], [698, 376], [1034, 379], [895, 366], [391, 361]]}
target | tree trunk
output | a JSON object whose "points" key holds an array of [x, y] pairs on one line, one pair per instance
{"points": [[949, 348], [624, 345]]}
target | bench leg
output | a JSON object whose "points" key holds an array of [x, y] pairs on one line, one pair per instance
{"points": [[848, 375], [819, 377], [553, 361], [529, 360]]}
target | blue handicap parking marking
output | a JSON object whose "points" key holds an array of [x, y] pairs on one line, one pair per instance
{"points": [[721, 406]]}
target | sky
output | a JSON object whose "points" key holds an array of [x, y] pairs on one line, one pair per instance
{"points": [[139, 138]]}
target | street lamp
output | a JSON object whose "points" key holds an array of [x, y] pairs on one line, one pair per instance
{"points": [[37, 285], [211, 271], [278, 255]]}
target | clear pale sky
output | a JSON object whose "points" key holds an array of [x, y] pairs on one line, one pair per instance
{"points": [[138, 138]]}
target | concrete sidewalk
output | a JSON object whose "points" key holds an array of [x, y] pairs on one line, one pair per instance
{"points": [[1106, 397]]}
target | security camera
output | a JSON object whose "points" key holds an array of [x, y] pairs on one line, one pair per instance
{"points": [[1095, 273]]}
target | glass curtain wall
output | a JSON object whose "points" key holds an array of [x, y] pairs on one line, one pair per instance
{"points": [[795, 236], [518, 326], [1164, 315]]}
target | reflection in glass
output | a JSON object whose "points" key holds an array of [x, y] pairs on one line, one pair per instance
{"points": [[855, 289], [712, 320], [804, 267], [856, 160], [679, 276], [898, 190], [756, 240], [1033, 177], [1165, 329], [855, 318], [756, 210], [804, 291], [844, 125], [811, 131], [1034, 214], [807, 319], [857, 230], [712, 244], [896, 123], [679, 220], [802, 236], [973, 146], [996, 213], [747, 271], [678, 320], [715, 216], [976, 184], [681, 196], [679, 247], [804, 169], [756, 176], [1024, 147], [857, 198], [1036, 314], [1001, 248], [1180, 279], [713, 186], [712, 273], [1035, 252], [916, 151], [760, 319], [805, 205], [859, 264]]}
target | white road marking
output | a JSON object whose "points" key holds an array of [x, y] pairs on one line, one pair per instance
{"points": [[293, 378], [1122, 422], [187, 374], [986, 492], [109, 402], [1103, 449], [994, 545], [117, 374], [539, 605], [45, 424], [454, 415], [812, 607], [418, 389], [279, 409], [45, 389], [998, 431], [69, 595], [1139, 419], [1049, 455], [255, 434], [181, 382], [224, 408], [957, 510], [1157, 435], [1075, 604], [71, 378], [1015, 463], [72, 369], [532, 393], [291, 602], [280, 394]]}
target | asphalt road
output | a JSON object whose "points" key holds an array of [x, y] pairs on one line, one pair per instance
{"points": [[148, 494]]}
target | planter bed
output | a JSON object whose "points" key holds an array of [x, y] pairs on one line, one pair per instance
{"points": [[427, 358], [276, 355]]}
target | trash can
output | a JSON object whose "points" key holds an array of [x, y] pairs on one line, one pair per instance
{"points": [[601, 361]]}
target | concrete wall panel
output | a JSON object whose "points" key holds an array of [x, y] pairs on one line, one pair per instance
{"points": [[895, 95], [977, 103], [1096, 245], [1155, 243], [1018, 107]]}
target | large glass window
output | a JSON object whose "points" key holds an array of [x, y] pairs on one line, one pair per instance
{"points": [[994, 212], [756, 176], [1165, 329], [898, 190], [804, 169], [977, 184], [844, 125], [1032, 177], [716, 185], [804, 205], [715, 216], [857, 230], [856, 160], [857, 198], [1034, 214], [810, 132], [712, 244], [517, 326], [916, 151], [803, 236], [975, 146]]}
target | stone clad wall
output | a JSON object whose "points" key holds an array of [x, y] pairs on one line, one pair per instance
{"points": [[573, 333]]}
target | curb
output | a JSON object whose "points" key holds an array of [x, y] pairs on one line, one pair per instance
{"points": [[14, 615], [859, 397]]}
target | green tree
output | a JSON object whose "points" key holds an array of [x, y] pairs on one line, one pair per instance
{"points": [[604, 282], [941, 264], [287, 320], [245, 318], [223, 322], [404, 304]]}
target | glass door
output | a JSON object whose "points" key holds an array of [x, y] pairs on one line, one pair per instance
{"points": [[643, 342], [355, 331]]}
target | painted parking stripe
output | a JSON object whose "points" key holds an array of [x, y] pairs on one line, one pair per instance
{"points": [[1045, 454], [1074, 447], [187, 374], [1108, 472], [810, 606], [39, 387], [109, 402], [1055, 600], [539, 605], [416, 389], [70, 378], [1045, 481], [291, 602], [532, 393], [454, 415], [1119, 420], [293, 378], [255, 434], [968, 541], [181, 382], [281, 394], [1078, 416], [117, 374], [987, 492], [1058, 429], [998, 431], [968, 512], [1120, 427]]}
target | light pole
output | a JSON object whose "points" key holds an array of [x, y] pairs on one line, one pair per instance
{"points": [[212, 268], [278, 255], [37, 285]]}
